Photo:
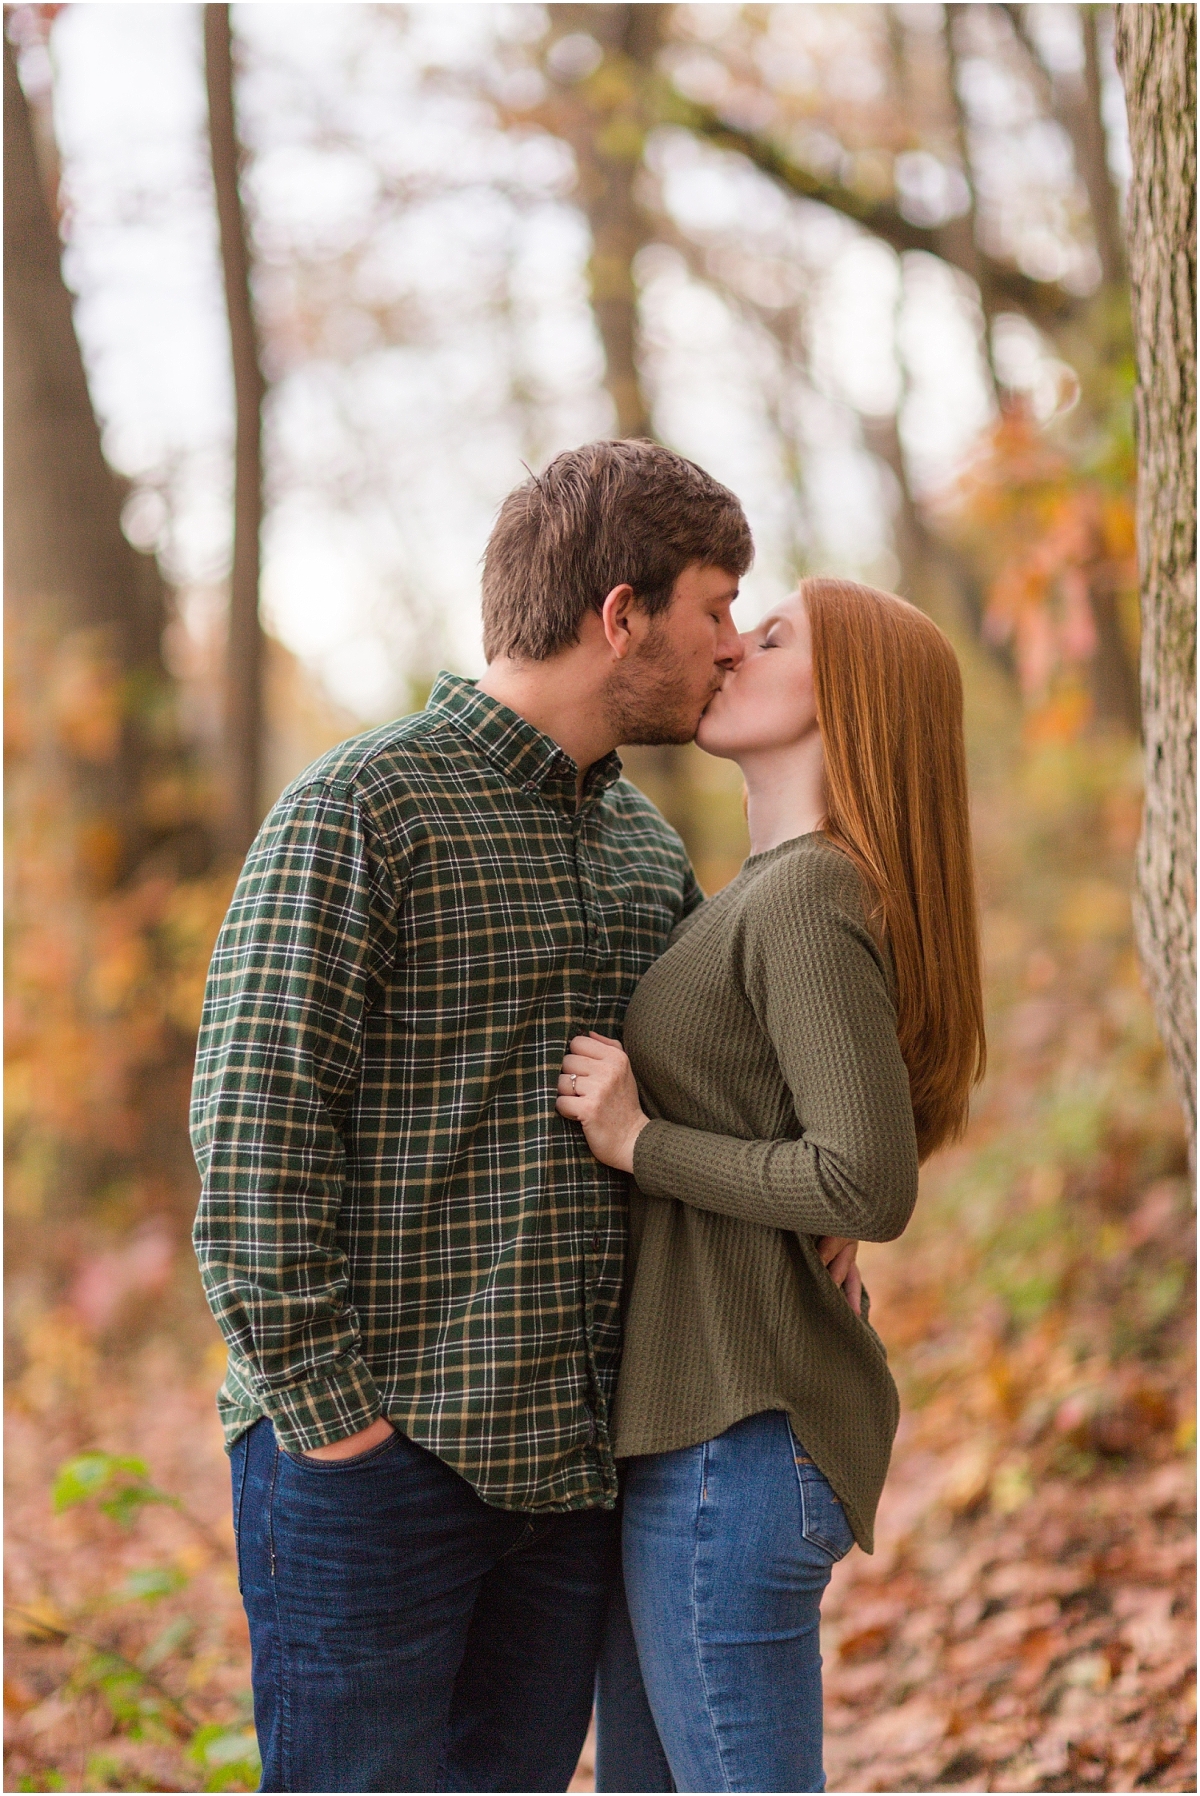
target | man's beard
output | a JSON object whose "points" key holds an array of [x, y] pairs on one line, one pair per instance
{"points": [[650, 701]]}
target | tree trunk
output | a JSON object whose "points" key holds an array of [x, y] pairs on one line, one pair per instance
{"points": [[62, 515], [84, 607], [605, 117], [1077, 104], [1156, 53], [1091, 156], [102, 812], [245, 663], [951, 39], [606, 126]]}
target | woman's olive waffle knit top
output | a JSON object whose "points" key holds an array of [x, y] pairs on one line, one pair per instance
{"points": [[764, 1043]]}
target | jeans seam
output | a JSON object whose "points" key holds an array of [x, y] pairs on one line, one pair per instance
{"points": [[524, 1539], [285, 1719], [695, 1606], [804, 1522], [237, 1513]]}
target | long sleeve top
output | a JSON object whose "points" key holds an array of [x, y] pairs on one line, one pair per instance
{"points": [[764, 1044], [394, 1220]]}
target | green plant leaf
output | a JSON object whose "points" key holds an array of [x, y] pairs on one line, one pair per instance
{"points": [[118, 1485], [87, 1475], [108, 1672], [124, 1504], [150, 1582], [121, 1686], [168, 1642], [229, 1754], [235, 1777]]}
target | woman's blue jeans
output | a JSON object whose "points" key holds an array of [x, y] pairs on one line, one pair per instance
{"points": [[728, 1548]]}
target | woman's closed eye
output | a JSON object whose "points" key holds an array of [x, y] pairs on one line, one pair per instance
{"points": [[776, 633]]}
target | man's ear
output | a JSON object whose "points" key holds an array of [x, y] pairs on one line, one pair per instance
{"points": [[615, 617]]}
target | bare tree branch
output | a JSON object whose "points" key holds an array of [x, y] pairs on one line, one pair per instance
{"points": [[1044, 302]]}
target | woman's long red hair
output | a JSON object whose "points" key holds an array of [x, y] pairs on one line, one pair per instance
{"points": [[889, 706]]}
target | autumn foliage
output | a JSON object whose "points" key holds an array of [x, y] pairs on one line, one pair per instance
{"points": [[1051, 526]]}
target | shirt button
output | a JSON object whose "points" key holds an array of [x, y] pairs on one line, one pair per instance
{"points": [[529, 786]]}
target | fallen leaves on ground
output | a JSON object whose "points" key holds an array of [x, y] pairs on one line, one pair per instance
{"points": [[1049, 1648]]}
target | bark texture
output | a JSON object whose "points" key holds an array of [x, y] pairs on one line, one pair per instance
{"points": [[1156, 53], [245, 655]]}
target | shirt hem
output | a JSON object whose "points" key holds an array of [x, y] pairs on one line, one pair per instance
{"points": [[600, 1496]]}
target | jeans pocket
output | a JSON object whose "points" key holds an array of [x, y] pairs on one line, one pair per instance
{"points": [[351, 1464], [824, 1519]]}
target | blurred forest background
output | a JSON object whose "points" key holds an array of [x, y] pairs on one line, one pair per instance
{"points": [[293, 295]]}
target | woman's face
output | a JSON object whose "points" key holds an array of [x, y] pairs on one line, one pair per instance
{"points": [[767, 700]]}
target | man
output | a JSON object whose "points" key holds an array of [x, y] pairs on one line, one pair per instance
{"points": [[415, 1262]]}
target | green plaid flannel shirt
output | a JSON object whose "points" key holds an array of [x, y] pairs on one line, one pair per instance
{"points": [[394, 1219]]}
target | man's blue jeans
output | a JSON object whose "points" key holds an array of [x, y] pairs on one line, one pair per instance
{"points": [[727, 1549], [407, 1636]]}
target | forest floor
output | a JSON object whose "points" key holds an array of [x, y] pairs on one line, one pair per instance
{"points": [[1011, 1632], [1051, 1648]]}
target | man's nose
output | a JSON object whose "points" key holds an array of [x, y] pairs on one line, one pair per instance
{"points": [[731, 649]]}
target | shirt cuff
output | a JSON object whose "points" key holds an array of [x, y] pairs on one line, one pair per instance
{"points": [[652, 1158], [323, 1410]]}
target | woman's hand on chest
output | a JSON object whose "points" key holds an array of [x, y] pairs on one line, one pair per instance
{"points": [[597, 1089]]}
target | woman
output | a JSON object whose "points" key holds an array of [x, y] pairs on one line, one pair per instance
{"points": [[810, 1034]]}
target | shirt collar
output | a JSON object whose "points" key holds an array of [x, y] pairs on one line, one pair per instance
{"points": [[528, 758]]}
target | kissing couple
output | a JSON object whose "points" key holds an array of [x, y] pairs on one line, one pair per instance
{"points": [[533, 1180]]}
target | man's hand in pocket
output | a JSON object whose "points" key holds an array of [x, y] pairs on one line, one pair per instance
{"points": [[362, 1442]]}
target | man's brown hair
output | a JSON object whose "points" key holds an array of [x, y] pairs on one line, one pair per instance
{"points": [[608, 514]]}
